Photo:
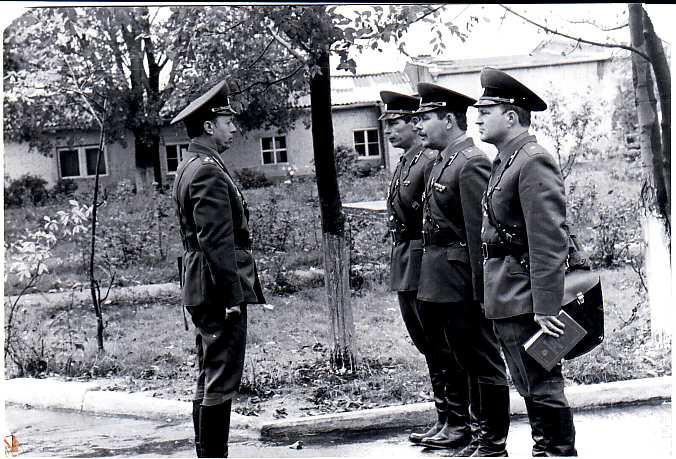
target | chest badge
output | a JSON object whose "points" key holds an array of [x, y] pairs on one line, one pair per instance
{"points": [[439, 187]]}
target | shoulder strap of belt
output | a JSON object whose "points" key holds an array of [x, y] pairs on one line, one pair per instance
{"points": [[516, 242]]}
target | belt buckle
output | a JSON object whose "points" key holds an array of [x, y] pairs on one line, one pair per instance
{"points": [[484, 250]]}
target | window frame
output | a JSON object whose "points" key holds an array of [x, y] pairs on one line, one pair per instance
{"points": [[366, 143], [179, 153], [274, 150], [81, 161]]}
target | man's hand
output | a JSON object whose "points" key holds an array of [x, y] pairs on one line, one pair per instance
{"points": [[550, 325], [232, 312]]}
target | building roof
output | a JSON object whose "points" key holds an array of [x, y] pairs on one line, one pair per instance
{"points": [[536, 59], [363, 89]]}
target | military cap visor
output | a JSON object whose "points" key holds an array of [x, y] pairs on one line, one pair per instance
{"points": [[213, 102], [500, 88], [435, 97], [397, 105]]}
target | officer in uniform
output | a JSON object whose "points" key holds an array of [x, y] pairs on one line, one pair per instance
{"points": [[451, 275], [404, 206], [219, 273], [525, 245]]}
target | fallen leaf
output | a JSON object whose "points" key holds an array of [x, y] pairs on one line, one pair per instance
{"points": [[297, 445]]}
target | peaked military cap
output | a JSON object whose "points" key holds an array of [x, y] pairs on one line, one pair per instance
{"points": [[213, 102], [398, 105], [500, 88], [434, 97]]}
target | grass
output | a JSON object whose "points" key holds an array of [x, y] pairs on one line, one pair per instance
{"points": [[288, 347], [286, 365]]}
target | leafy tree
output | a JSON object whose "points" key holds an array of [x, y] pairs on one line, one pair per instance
{"points": [[149, 61], [572, 127]]}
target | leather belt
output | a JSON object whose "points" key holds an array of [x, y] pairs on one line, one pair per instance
{"points": [[403, 236], [441, 238], [193, 246], [495, 250]]}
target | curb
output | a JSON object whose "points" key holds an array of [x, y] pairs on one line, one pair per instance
{"points": [[151, 291], [419, 414], [87, 397]]}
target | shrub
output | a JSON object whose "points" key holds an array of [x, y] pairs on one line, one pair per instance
{"points": [[27, 189], [346, 160], [606, 228], [64, 188], [251, 178]]}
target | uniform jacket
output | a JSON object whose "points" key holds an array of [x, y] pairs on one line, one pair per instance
{"points": [[218, 267], [404, 208], [452, 272], [529, 200]]}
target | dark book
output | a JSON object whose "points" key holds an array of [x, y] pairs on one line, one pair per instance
{"points": [[547, 350]]}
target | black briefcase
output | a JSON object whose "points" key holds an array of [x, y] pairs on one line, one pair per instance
{"points": [[583, 301]]}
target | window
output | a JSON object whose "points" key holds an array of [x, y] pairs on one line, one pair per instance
{"points": [[273, 150], [80, 161], [175, 155], [367, 143]]}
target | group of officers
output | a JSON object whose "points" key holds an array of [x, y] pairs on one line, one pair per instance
{"points": [[478, 261]]}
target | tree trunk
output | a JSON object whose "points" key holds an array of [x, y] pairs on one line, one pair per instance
{"points": [[147, 154], [651, 144], [663, 79], [93, 283], [335, 243], [653, 193]]}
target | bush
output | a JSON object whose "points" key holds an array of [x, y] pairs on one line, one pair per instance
{"points": [[606, 228], [251, 178], [27, 189], [346, 160], [64, 188]]}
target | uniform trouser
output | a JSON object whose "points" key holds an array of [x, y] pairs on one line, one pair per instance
{"points": [[221, 344], [473, 342], [549, 413], [449, 381]]}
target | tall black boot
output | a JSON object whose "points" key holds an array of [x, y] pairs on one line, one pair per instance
{"points": [[537, 427], [196, 425], [559, 431], [456, 431], [474, 425], [440, 405], [438, 380], [494, 421], [215, 429]]}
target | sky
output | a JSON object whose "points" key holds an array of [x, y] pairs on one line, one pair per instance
{"points": [[498, 32]]}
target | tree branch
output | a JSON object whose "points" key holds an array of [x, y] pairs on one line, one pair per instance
{"points": [[271, 83], [431, 11], [285, 44], [581, 40], [260, 56], [592, 23]]}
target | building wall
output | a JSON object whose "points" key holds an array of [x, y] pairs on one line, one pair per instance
{"points": [[245, 151], [19, 160], [571, 81]]}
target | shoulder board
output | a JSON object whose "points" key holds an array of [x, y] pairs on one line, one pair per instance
{"points": [[472, 152], [534, 149], [429, 154]]}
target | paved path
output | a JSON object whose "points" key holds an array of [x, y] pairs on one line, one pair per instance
{"points": [[630, 431]]}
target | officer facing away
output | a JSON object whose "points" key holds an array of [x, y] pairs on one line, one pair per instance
{"points": [[404, 205], [219, 273], [451, 276], [525, 246]]}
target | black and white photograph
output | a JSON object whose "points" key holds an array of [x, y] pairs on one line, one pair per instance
{"points": [[292, 230]]}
